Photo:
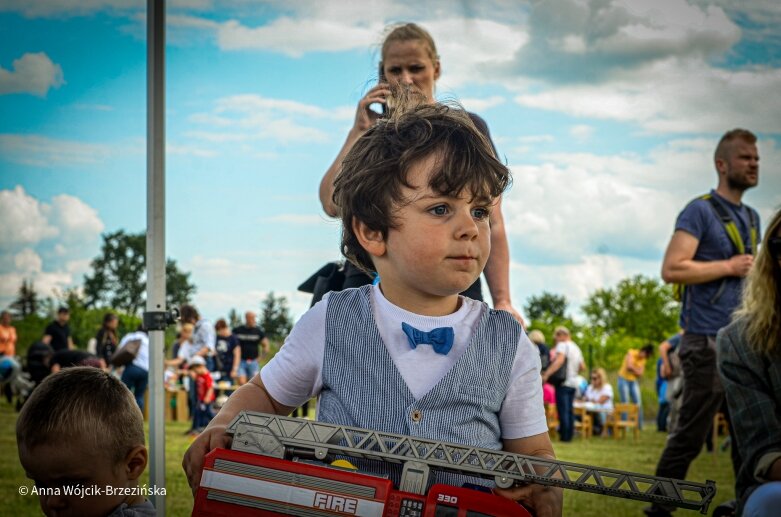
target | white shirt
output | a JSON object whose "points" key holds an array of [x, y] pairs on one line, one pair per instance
{"points": [[574, 359], [187, 350], [295, 373], [142, 357], [593, 395]]}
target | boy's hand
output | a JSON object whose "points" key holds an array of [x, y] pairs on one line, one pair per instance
{"points": [[211, 438], [543, 501]]}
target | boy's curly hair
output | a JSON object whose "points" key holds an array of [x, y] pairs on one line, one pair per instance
{"points": [[368, 187]]}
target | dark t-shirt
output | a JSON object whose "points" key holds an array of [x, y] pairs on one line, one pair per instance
{"points": [[225, 347], [249, 341], [66, 358], [708, 307], [106, 345], [59, 334]]}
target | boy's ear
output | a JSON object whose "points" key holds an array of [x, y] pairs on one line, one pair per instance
{"points": [[135, 462], [370, 240]]}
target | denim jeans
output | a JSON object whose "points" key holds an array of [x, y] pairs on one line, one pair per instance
{"points": [[629, 391], [136, 379], [764, 501], [564, 398]]}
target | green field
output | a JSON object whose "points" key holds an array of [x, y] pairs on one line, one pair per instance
{"points": [[638, 457]]}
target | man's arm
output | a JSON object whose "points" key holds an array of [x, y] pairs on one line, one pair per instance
{"points": [[544, 501], [497, 268], [71, 346], [664, 350], [680, 267], [265, 345], [252, 397]]}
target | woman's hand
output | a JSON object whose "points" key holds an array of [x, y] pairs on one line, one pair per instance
{"points": [[365, 117], [506, 306]]}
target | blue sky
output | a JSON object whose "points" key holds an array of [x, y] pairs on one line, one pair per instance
{"points": [[607, 113]]}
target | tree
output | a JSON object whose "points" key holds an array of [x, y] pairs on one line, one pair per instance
{"points": [[639, 307], [275, 317], [118, 278], [546, 306], [26, 302], [234, 319]]}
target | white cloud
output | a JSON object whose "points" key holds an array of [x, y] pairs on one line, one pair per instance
{"points": [[581, 132], [673, 96], [189, 150], [32, 73], [46, 243], [77, 221], [248, 117], [27, 261], [25, 219], [294, 37], [575, 205], [42, 151]]}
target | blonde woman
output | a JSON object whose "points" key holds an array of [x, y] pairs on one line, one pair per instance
{"points": [[600, 393], [749, 352], [409, 58]]}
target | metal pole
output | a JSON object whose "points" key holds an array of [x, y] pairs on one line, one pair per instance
{"points": [[155, 239]]}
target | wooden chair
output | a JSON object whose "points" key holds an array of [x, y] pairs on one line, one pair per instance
{"points": [[552, 416], [720, 428], [624, 417], [586, 423]]}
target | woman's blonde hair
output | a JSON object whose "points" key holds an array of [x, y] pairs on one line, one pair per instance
{"points": [[409, 32], [602, 374], [761, 305]]}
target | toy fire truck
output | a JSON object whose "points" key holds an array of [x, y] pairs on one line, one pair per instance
{"points": [[276, 467]]}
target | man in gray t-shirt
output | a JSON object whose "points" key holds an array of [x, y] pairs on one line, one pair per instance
{"points": [[711, 264]]}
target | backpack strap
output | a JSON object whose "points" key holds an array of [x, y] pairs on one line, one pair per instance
{"points": [[731, 228]]}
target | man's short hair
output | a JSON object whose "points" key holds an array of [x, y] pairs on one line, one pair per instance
{"points": [[188, 313], [82, 403], [369, 186], [723, 148], [63, 310]]}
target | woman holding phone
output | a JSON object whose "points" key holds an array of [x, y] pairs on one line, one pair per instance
{"points": [[409, 58]]}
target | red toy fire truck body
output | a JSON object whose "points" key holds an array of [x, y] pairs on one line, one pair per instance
{"points": [[238, 484]]}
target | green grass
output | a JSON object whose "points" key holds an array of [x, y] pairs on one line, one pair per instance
{"points": [[624, 454]]}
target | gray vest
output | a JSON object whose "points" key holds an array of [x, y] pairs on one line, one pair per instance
{"points": [[363, 388]]}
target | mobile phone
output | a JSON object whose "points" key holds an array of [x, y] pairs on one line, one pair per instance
{"points": [[382, 79]]}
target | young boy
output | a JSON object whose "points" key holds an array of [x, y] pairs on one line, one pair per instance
{"points": [[81, 440], [204, 392], [409, 355]]}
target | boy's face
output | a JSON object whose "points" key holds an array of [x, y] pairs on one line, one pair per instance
{"points": [[439, 247], [53, 466]]}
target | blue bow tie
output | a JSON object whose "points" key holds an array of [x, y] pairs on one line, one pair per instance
{"points": [[441, 338]]}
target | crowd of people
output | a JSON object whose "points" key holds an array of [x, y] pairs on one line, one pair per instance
{"points": [[418, 192]]}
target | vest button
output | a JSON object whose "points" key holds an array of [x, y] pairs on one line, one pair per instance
{"points": [[416, 415]]}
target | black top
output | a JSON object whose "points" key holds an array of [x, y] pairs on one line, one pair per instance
{"points": [[249, 341], [106, 345], [66, 358], [59, 334], [225, 347]]}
